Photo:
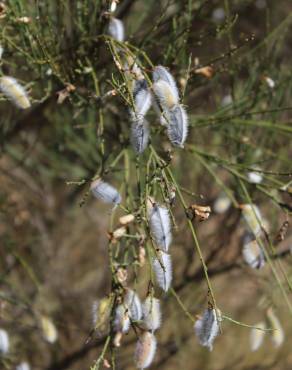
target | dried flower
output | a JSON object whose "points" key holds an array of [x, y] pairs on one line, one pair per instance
{"points": [[160, 73], [145, 350], [4, 341], [127, 219], [200, 212], [105, 192], [162, 267], [207, 71], [14, 92], [207, 327], [116, 29], [24, 20], [269, 81], [252, 253], [140, 135], [257, 336], [49, 330], [122, 275], [177, 128], [151, 313], [160, 226], [117, 234], [278, 335]]}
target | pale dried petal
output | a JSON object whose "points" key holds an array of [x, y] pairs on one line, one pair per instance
{"points": [[127, 219]]}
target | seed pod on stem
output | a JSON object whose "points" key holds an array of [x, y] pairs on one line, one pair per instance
{"points": [[140, 135], [105, 192], [252, 253], [122, 319], [278, 335], [162, 267], [4, 341], [207, 327], [133, 303], [145, 350], [160, 225], [116, 29], [10, 87], [160, 73], [151, 313], [257, 336], [177, 128], [165, 95]]}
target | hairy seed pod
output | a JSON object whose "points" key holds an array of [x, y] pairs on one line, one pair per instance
{"points": [[140, 134], [105, 192], [207, 327], [252, 216], [116, 29], [257, 336], [151, 313], [252, 253], [101, 313], [143, 101], [177, 128], [122, 321], [14, 92], [278, 335], [4, 341], [23, 366], [1, 51], [162, 267], [164, 94], [49, 330], [254, 177], [133, 303], [145, 350], [161, 73], [160, 226]]}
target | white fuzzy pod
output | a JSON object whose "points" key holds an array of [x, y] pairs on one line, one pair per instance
{"points": [[151, 313], [116, 29], [164, 94], [252, 216], [257, 336], [252, 253], [23, 366], [177, 128], [122, 320], [162, 267], [105, 192], [133, 303], [161, 73], [14, 92], [4, 341], [278, 335], [145, 350], [140, 134], [221, 204], [142, 100], [49, 330], [160, 226], [1, 51], [207, 328]]}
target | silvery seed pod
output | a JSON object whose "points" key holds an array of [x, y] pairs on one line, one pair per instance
{"points": [[162, 267], [257, 336], [278, 335], [105, 192], [252, 216], [133, 303], [145, 350], [4, 341], [151, 313], [116, 29], [140, 134], [122, 320], [207, 327], [177, 128], [221, 204], [143, 101], [14, 92], [160, 226], [252, 253], [254, 177], [161, 73], [164, 94], [49, 330], [101, 313], [23, 366]]}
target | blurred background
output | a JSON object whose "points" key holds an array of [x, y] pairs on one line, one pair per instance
{"points": [[232, 64]]}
